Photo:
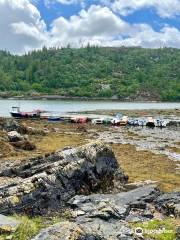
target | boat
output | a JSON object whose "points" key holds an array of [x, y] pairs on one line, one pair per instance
{"points": [[142, 122], [79, 119], [54, 119], [17, 113], [107, 120], [124, 121], [119, 120], [161, 123], [151, 122], [97, 121]]}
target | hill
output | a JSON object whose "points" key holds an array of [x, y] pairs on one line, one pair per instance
{"points": [[94, 72]]}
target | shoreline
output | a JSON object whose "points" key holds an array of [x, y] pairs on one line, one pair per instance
{"points": [[57, 97]]}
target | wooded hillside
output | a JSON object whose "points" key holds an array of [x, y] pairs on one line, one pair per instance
{"points": [[123, 73]]}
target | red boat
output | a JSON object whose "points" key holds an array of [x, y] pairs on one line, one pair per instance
{"points": [[16, 113]]}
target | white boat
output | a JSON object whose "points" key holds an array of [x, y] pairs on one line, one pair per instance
{"points": [[161, 123], [120, 121], [97, 121]]}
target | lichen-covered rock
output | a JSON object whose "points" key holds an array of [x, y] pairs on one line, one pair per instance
{"points": [[8, 225], [67, 231], [47, 183], [12, 125], [169, 203], [14, 136]]}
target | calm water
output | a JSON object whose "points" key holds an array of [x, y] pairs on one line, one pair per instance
{"points": [[63, 106]]}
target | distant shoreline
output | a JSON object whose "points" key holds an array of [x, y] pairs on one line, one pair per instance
{"points": [[57, 97]]}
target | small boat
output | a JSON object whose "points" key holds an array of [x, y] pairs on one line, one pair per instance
{"points": [[107, 120], [120, 121], [160, 123], [16, 113], [54, 119], [97, 121], [79, 119], [151, 122], [142, 122], [124, 121]]}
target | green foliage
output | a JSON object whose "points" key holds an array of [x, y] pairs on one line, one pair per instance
{"points": [[28, 228], [94, 72]]}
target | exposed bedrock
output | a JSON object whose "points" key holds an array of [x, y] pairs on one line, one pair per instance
{"points": [[44, 184], [104, 216]]}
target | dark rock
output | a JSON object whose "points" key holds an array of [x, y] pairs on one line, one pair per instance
{"points": [[47, 183], [24, 145], [102, 216], [169, 203], [12, 125], [68, 231], [89, 230], [115, 206]]}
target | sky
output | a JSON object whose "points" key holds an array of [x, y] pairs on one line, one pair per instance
{"points": [[26, 25]]}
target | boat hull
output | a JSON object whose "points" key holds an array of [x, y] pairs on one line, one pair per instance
{"points": [[20, 115]]}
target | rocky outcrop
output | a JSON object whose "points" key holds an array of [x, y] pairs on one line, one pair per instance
{"points": [[104, 216], [12, 125], [44, 184], [14, 136], [169, 203]]}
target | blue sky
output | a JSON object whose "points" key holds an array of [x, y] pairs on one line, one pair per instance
{"points": [[30, 24], [145, 15]]}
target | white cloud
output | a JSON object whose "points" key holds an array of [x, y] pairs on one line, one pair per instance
{"points": [[143, 35], [98, 25], [164, 8], [21, 27], [89, 26], [48, 3], [67, 1]]}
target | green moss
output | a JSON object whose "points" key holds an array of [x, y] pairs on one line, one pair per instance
{"points": [[157, 230]]}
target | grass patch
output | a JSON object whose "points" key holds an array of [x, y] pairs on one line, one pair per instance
{"points": [[28, 228], [143, 165], [157, 230]]}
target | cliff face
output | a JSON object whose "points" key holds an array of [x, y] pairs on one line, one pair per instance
{"points": [[46, 183]]}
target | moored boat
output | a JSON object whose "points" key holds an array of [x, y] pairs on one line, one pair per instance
{"points": [[79, 119], [54, 119], [119, 120], [97, 121], [151, 122], [16, 113], [161, 123]]}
